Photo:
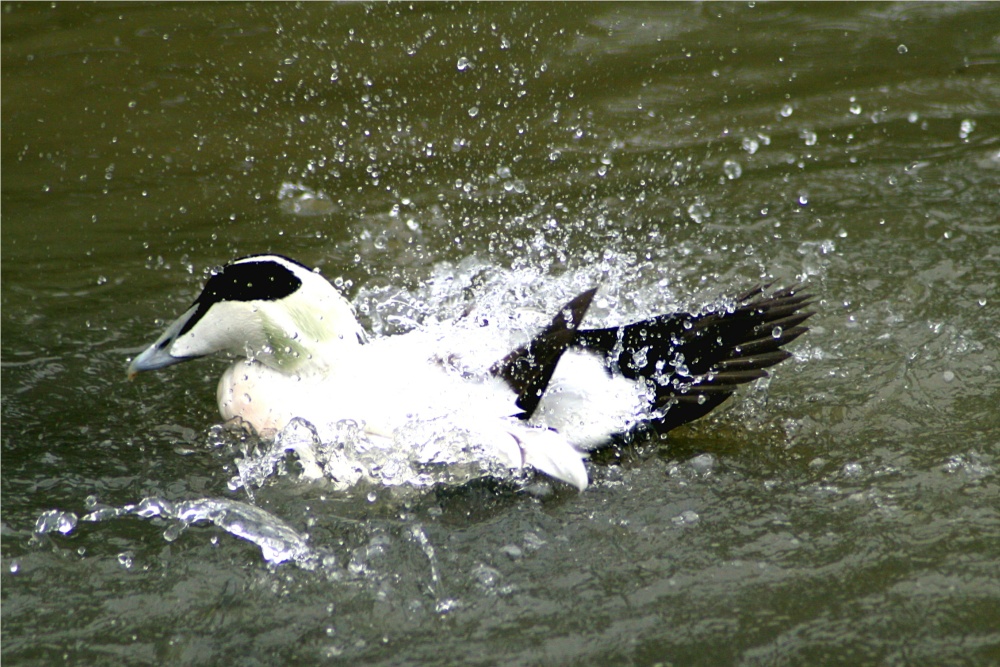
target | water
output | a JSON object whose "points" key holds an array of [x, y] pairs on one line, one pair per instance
{"points": [[843, 512]]}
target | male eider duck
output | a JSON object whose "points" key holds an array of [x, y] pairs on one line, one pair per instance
{"points": [[301, 353]]}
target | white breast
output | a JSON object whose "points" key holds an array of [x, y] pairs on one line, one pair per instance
{"points": [[386, 387]]}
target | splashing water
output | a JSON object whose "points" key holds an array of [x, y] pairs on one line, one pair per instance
{"points": [[278, 541]]}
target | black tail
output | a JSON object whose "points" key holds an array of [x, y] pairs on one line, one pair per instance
{"points": [[695, 362]]}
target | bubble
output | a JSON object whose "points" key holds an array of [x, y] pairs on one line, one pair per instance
{"points": [[464, 64], [786, 111], [473, 112], [901, 49], [966, 128]]}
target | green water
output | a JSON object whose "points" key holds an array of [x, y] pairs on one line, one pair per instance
{"points": [[845, 513]]}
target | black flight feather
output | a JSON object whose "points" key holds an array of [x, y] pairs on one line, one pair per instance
{"points": [[691, 362], [695, 362]]}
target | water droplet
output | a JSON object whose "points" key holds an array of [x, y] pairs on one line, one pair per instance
{"points": [[174, 531], [776, 332], [699, 212], [464, 64], [901, 49], [486, 576], [703, 463], [473, 112], [787, 111], [446, 605], [732, 169], [855, 108], [686, 517], [512, 551], [966, 128], [55, 521], [750, 145]]}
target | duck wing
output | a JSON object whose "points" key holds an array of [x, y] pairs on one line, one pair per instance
{"points": [[528, 369], [695, 362]]}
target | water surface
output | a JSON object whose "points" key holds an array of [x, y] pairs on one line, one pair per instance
{"points": [[845, 512]]}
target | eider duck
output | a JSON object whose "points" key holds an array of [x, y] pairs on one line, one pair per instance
{"points": [[301, 353]]}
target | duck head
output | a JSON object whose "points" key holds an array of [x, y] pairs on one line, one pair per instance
{"points": [[266, 308]]}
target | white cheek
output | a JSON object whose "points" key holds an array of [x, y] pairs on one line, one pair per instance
{"points": [[227, 326]]}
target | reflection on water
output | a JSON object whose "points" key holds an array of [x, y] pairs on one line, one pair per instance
{"points": [[839, 513]]}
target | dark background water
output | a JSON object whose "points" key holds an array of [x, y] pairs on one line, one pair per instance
{"points": [[847, 512]]}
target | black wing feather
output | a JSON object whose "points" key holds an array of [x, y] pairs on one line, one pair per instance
{"points": [[695, 362], [692, 362], [528, 369]]}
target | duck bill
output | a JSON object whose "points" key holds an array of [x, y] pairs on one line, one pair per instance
{"points": [[158, 354]]}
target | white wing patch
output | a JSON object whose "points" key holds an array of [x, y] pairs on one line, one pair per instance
{"points": [[588, 405]]}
